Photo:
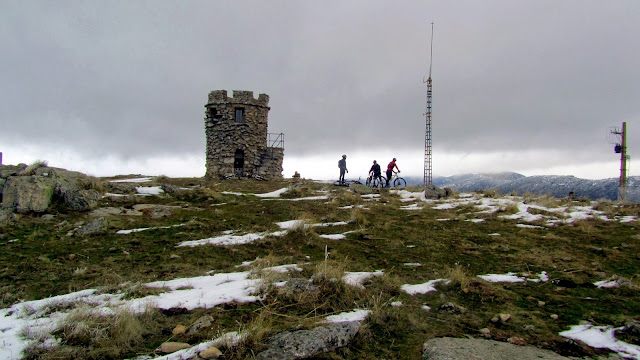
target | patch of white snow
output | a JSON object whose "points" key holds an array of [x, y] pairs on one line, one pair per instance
{"points": [[424, 288]]}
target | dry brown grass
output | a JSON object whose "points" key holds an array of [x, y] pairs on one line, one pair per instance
{"points": [[387, 284], [345, 196], [88, 333], [328, 271], [259, 270], [458, 277], [490, 193], [547, 201], [358, 217], [303, 229], [31, 169], [206, 193], [587, 227], [260, 263], [299, 190], [132, 290], [508, 209], [97, 184], [612, 209]]}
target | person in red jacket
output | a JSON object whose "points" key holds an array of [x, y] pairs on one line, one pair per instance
{"points": [[390, 167]]}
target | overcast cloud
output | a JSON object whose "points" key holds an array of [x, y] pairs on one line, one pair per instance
{"points": [[110, 87]]}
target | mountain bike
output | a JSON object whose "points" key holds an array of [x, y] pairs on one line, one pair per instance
{"points": [[379, 181], [347, 182], [396, 181]]}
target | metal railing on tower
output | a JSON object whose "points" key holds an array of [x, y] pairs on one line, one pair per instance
{"points": [[275, 140]]}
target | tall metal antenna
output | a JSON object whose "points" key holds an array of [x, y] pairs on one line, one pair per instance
{"points": [[428, 171]]}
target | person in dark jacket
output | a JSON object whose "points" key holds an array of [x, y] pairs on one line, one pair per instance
{"points": [[342, 164], [375, 171]]}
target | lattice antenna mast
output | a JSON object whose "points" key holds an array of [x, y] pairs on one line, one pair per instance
{"points": [[428, 171]]}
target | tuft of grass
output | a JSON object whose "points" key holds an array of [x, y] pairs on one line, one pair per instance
{"points": [[490, 193], [613, 209], [458, 277], [255, 333], [130, 290], [358, 217], [260, 263], [451, 193], [31, 169], [328, 272], [587, 227], [97, 184], [346, 197], [88, 333], [547, 201], [201, 194], [302, 229], [508, 209], [298, 190]]}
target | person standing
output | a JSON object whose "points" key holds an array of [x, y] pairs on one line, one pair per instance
{"points": [[375, 171], [390, 167], [342, 164]]}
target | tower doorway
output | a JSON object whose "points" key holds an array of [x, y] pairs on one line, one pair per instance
{"points": [[238, 163]]}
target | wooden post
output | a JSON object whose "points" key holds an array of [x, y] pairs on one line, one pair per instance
{"points": [[622, 191]]}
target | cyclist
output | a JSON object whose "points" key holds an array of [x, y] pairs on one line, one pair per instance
{"points": [[342, 164], [390, 167], [375, 172]]}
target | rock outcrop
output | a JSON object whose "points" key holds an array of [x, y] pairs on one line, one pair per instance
{"points": [[96, 226], [304, 344], [24, 194], [480, 349], [25, 189]]}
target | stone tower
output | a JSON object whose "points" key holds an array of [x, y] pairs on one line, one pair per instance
{"points": [[237, 138]]}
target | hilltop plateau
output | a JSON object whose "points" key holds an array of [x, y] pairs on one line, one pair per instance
{"points": [[180, 268]]}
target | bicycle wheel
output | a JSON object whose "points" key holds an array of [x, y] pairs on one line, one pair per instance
{"points": [[376, 183], [399, 183], [382, 182]]}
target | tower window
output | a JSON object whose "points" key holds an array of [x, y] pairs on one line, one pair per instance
{"points": [[239, 115], [213, 113]]}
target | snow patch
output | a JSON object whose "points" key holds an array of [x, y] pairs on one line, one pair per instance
{"points": [[355, 315], [358, 278], [602, 337], [149, 190], [424, 288]]}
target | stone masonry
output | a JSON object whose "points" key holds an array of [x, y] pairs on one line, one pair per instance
{"points": [[237, 138]]}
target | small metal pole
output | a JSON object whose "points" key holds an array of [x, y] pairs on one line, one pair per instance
{"points": [[622, 195]]}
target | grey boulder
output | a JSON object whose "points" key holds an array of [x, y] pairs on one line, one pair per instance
{"points": [[480, 349], [304, 344], [25, 194]]}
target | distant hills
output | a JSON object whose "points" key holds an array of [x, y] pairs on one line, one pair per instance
{"points": [[555, 185]]}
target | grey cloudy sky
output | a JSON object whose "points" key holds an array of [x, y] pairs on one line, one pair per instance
{"points": [[110, 87]]}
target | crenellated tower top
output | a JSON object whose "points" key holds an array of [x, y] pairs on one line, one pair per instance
{"points": [[240, 97]]}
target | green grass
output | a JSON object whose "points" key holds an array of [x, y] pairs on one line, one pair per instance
{"points": [[39, 260]]}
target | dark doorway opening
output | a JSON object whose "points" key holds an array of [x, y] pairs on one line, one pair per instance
{"points": [[238, 162]]}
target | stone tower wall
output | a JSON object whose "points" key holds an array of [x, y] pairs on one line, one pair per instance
{"points": [[271, 162], [225, 136]]}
